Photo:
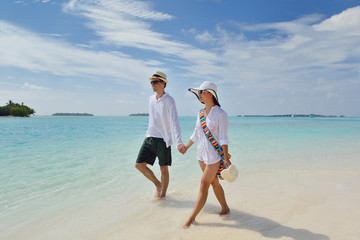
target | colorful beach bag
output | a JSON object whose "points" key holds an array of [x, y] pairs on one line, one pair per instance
{"points": [[213, 142]]}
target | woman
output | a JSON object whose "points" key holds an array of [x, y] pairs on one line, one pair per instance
{"points": [[209, 159]]}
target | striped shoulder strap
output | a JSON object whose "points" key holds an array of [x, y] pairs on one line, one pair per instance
{"points": [[213, 142]]}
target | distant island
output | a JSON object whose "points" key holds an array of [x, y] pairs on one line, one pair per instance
{"points": [[292, 115], [139, 114], [73, 114], [12, 109]]}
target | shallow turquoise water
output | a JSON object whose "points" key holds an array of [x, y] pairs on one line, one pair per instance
{"points": [[52, 163]]}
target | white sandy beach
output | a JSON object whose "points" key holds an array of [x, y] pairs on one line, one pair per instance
{"points": [[309, 205]]}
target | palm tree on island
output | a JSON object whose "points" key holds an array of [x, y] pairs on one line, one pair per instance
{"points": [[12, 109]]}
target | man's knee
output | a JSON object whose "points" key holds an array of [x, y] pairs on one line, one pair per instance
{"points": [[140, 166], [164, 169]]}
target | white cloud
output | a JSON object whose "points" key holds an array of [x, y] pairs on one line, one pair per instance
{"points": [[205, 37], [270, 69], [124, 100], [128, 24], [347, 22], [24, 3], [35, 87], [301, 48], [27, 50], [79, 86], [292, 47], [116, 8]]}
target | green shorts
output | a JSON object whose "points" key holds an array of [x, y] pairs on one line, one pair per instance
{"points": [[152, 148]]}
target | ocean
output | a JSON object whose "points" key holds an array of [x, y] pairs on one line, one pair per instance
{"points": [[74, 177]]}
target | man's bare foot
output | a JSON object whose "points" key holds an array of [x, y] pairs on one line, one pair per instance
{"points": [[158, 192], [188, 223], [224, 211]]}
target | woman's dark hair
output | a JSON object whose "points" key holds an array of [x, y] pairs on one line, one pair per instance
{"points": [[216, 102]]}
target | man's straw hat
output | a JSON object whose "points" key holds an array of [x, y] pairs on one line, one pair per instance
{"points": [[159, 75]]}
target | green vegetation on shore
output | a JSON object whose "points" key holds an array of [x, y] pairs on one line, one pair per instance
{"points": [[73, 114], [12, 109], [138, 114]]}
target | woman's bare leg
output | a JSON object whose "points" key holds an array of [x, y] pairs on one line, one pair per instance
{"points": [[220, 195], [219, 192], [209, 173]]}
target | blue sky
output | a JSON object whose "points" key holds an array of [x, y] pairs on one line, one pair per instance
{"points": [[266, 56]]}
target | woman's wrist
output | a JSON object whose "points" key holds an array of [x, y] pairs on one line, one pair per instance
{"points": [[189, 144]]}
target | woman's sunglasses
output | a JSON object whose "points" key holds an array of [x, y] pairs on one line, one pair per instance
{"points": [[202, 91]]}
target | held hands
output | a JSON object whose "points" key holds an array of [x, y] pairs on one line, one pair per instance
{"points": [[182, 149]]}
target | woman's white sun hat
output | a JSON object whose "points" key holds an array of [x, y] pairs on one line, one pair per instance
{"points": [[159, 75], [230, 174], [208, 86]]}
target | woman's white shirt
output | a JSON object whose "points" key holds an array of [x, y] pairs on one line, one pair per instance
{"points": [[218, 123]]}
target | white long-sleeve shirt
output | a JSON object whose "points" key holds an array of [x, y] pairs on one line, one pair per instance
{"points": [[163, 120], [218, 123]]}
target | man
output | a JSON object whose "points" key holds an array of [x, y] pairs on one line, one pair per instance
{"points": [[163, 131]]}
